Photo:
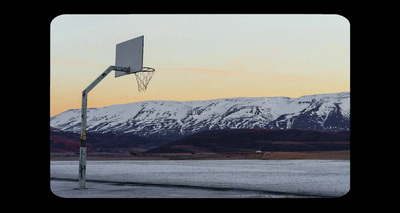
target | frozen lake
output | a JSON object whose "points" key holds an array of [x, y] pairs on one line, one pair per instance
{"points": [[203, 178]]}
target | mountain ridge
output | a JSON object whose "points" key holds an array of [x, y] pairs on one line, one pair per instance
{"points": [[177, 119]]}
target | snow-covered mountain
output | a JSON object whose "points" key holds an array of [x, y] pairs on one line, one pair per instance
{"points": [[174, 119]]}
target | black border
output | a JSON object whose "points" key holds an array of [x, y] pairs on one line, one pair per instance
{"points": [[45, 21]]}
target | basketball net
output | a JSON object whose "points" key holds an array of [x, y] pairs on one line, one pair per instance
{"points": [[143, 78]]}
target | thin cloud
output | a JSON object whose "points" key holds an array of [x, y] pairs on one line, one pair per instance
{"points": [[209, 71], [216, 71]]}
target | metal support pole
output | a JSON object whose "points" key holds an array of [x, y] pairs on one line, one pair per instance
{"points": [[82, 149]]}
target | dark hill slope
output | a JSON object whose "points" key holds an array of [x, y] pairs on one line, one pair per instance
{"points": [[242, 140], [63, 141]]}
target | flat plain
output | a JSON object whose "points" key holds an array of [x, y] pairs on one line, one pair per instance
{"points": [[342, 154]]}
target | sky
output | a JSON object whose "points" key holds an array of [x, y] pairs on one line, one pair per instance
{"points": [[199, 57]]}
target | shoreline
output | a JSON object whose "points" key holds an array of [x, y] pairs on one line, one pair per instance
{"points": [[340, 154]]}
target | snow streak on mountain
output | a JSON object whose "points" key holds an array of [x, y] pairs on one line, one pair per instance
{"points": [[174, 119]]}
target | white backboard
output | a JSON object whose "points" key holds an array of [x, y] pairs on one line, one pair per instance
{"points": [[130, 54]]}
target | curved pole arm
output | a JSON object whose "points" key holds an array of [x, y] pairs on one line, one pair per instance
{"points": [[102, 76]]}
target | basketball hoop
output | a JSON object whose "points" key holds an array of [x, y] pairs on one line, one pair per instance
{"points": [[128, 60], [143, 78]]}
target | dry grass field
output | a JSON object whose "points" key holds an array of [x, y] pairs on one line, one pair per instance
{"points": [[343, 154]]}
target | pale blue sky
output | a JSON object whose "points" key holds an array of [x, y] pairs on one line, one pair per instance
{"points": [[199, 57]]}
